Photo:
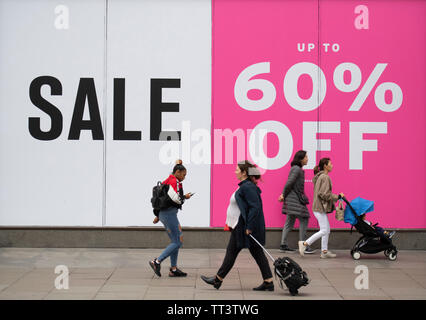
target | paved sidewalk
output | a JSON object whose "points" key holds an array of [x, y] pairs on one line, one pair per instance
{"points": [[28, 273]]}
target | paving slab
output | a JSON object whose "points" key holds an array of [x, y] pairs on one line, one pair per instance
{"points": [[115, 274], [23, 295], [123, 288], [120, 296], [70, 296], [169, 293]]}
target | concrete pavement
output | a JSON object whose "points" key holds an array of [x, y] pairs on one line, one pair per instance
{"points": [[29, 273]]}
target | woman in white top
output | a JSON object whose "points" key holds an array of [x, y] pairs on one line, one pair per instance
{"points": [[233, 212]]}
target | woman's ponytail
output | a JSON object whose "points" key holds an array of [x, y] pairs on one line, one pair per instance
{"points": [[316, 170], [179, 166], [320, 167]]}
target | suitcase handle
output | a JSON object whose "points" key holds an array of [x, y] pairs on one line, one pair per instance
{"points": [[272, 258]]}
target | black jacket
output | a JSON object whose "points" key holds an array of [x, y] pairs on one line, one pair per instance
{"points": [[295, 200], [252, 218]]}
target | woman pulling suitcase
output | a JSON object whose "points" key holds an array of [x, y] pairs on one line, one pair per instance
{"points": [[251, 221]]}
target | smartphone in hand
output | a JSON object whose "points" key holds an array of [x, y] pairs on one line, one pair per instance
{"points": [[189, 195]]}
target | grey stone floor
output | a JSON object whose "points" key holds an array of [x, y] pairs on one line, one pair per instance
{"points": [[29, 273]]}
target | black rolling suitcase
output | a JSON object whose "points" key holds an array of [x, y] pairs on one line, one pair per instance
{"points": [[288, 271]]}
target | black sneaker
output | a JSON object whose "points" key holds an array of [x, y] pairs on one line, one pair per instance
{"points": [[155, 266], [309, 250], [177, 273], [265, 286], [285, 248], [214, 281]]}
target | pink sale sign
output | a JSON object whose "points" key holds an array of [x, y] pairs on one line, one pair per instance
{"points": [[335, 78]]}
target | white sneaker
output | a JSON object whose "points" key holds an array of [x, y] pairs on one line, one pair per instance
{"points": [[328, 254], [302, 248]]}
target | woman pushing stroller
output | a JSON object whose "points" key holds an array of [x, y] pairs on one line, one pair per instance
{"points": [[323, 204]]}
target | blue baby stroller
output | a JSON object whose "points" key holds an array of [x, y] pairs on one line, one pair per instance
{"points": [[371, 241]]}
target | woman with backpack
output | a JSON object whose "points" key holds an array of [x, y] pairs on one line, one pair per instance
{"points": [[295, 201], [251, 221], [323, 204], [169, 219]]}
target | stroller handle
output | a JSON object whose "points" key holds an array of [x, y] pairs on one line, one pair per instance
{"points": [[344, 199], [350, 206]]}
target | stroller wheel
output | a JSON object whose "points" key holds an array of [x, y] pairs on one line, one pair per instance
{"points": [[387, 252], [356, 255], [392, 256]]}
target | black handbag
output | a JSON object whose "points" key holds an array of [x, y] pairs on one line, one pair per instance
{"points": [[303, 199]]}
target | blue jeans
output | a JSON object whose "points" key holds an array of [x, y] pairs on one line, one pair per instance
{"points": [[168, 218]]}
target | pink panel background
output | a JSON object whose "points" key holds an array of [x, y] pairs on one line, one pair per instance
{"points": [[249, 32]]}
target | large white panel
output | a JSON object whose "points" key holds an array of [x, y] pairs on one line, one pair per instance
{"points": [[146, 40], [57, 182]]}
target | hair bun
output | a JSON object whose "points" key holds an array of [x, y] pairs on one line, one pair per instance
{"points": [[179, 161]]}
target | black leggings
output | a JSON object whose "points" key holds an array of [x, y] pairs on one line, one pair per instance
{"points": [[232, 252]]}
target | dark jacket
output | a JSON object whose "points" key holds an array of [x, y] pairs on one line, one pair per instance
{"points": [[295, 200], [251, 218]]}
